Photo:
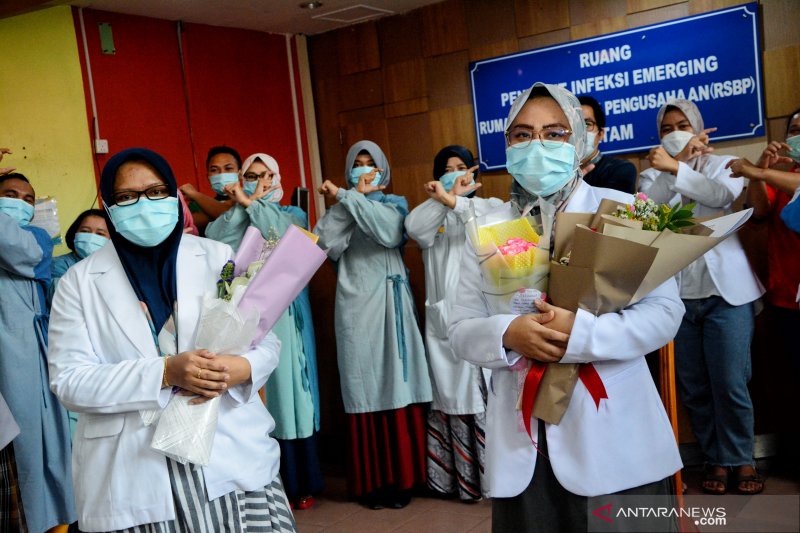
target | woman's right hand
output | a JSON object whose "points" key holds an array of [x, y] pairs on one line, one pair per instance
{"points": [[435, 190], [198, 371], [528, 336]]}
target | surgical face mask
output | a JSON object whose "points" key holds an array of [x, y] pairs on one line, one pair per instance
{"points": [[676, 141], [541, 170], [249, 187], [449, 179], [794, 145], [357, 172], [146, 223], [88, 243], [219, 181], [19, 210], [589, 148]]}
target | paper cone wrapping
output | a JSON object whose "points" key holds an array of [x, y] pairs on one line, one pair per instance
{"points": [[613, 268], [285, 273]]}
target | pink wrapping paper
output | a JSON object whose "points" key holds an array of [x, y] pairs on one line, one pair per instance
{"points": [[249, 250], [287, 270]]}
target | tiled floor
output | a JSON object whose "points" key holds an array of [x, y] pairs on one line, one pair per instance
{"points": [[333, 513]]}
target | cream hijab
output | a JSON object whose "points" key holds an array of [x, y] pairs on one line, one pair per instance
{"points": [[272, 165]]}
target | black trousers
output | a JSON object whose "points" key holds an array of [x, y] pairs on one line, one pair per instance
{"points": [[546, 506]]}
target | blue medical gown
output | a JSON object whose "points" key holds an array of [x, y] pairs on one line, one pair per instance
{"points": [[42, 449], [381, 355]]}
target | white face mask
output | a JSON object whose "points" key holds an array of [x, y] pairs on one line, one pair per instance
{"points": [[676, 141]]}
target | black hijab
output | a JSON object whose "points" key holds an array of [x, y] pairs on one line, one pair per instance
{"points": [[151, 271], [454, 150]]}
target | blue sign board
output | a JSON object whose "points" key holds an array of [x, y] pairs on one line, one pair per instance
{"points": [[712, 59]]}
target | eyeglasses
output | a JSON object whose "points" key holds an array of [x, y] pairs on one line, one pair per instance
{"points": [[523, 136], [590, 124], [252, 176], [156, 192]]}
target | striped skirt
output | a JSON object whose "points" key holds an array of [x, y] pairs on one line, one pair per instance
{"points": [[260, 511], [456, 454]]}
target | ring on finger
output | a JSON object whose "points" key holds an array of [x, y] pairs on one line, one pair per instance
{"points": [[199, 373]]}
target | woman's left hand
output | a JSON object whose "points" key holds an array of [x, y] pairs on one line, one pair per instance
{"points": [[697, 146], [365, 185], [237, 372], [236, 193], [463, 184], [563, 319]]}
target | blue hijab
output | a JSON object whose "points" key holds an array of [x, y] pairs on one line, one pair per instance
{"points": [[151, 271]]}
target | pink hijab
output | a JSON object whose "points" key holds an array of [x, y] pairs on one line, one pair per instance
{"points": [[272, 165]]}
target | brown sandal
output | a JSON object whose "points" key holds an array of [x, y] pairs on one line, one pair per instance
{"points": [[754, 477], [715, 474]]}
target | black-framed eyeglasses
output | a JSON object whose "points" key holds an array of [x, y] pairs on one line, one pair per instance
{"points": [[590, 124], [156, 192], [523, 136], [252, 176]]}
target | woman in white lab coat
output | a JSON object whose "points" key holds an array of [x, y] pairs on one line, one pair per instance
{"points": [[712, 349], [122, 337], [625, 443], [456, 422]]}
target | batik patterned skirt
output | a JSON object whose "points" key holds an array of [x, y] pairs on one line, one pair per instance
{"points": [[456, 454]]}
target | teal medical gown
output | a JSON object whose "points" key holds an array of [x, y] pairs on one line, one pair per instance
{"points": [[381, 355], [291, 392], [42, 449]]}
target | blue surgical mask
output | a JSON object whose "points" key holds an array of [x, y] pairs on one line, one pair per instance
{"points": [[589, 147], [357, 172], [19, 210], [541, 171], [146, 223], [219, 181], [794, 145], [88, 243], [249, 187], [449, 179]]}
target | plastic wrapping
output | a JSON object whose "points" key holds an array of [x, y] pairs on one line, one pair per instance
{"points": [[186, 432]]}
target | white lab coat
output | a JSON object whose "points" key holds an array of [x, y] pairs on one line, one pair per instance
{"points": [[628, 442], [441, 233], [104, 364], [707, 182]]}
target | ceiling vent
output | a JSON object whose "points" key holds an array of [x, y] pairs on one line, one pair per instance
{"points": [[353, 14]]}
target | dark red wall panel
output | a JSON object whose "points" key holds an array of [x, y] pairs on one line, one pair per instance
{"points": [[234, 89], [139, 90], [239, 94]]}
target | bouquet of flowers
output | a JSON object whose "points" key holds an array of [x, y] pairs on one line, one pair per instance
{"points": [[515, 264], [608, 262], [253, 291], [656, 217]]}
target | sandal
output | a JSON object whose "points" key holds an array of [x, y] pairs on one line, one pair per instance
{"points": [[754, 478], [715, 480]]}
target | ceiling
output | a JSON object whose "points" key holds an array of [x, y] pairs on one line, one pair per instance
{"points": [[274, 16]]}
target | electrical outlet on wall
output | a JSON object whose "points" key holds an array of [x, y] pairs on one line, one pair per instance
{"points": [[100, 146]]}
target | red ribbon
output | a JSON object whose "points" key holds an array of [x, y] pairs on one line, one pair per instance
{"points": [[586, 373], [591, 379], [532, 380]]}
